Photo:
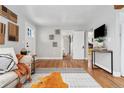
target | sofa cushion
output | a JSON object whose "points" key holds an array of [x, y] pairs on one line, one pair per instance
{"points": [[7, 63], [7, 78]]}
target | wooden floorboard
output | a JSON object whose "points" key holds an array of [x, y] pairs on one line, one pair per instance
{"points": [[105, 79]]}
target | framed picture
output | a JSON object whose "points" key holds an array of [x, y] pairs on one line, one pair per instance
{"points": [[55, 44], [13, 32], [2, 33], [30, 32], [51, 37], [57, 31]]}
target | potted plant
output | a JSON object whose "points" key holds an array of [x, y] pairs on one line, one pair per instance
{"points": [[23, 51], [100, 42]]}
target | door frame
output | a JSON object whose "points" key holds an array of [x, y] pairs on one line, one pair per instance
{"points": [[122, 49]]}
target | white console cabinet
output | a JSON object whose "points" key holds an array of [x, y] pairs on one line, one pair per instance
{"points": [[103, 59]]}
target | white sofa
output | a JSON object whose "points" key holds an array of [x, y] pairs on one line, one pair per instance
{"points": [[10, 79]]}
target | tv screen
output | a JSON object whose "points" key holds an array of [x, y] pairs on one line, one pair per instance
{"points": [[100, 32]]}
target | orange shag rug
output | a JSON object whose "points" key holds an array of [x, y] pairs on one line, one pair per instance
{"points": [[54, 80]]}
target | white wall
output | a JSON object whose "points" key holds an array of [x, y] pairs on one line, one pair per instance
{"points": [[122, 49], [22, 28], [121, 23], [44, 49], [90, 37], [86, 45], [112, 42]]}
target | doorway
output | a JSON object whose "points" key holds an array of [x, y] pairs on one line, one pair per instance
{"points": [[67, 47], [90, 47], [73, 45]]}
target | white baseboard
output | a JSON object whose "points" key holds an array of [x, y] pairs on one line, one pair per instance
{"points": [[85, 58], [116, 74], [122, 75], [78, 58], [58, 58]]}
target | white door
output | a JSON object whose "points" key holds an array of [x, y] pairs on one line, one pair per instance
{"points": [[122, 49], [78, 45]]}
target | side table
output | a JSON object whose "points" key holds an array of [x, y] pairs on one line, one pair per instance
{"points": [[33, 64]]}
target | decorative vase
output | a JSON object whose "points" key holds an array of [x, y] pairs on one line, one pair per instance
{"points": [[23, 51]]}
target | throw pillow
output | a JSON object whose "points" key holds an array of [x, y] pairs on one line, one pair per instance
{"points": [[7, 63], [9, 51]]}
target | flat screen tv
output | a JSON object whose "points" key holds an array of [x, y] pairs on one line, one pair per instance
{"points": [[100, 31]]}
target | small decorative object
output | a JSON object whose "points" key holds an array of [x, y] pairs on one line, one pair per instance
{"points": [[51, 37], [57, 31], [23, 51], [100, 39], [27, 45], [2, 33], [55, 44], [13, 32]]}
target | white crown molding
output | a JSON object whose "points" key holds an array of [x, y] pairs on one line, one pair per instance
{"points": [[116, 74]]}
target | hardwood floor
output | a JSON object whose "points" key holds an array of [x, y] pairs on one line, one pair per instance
{"points": [[59, 64], [105, 79]]}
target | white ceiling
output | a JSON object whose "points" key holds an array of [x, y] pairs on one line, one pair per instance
{"points": [[62, 15]]}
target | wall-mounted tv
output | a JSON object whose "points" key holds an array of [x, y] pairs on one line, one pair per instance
{"points": [[100, 31]]}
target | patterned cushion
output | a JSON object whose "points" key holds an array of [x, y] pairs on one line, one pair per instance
{"points": [[9, 51], [7, 63]]}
